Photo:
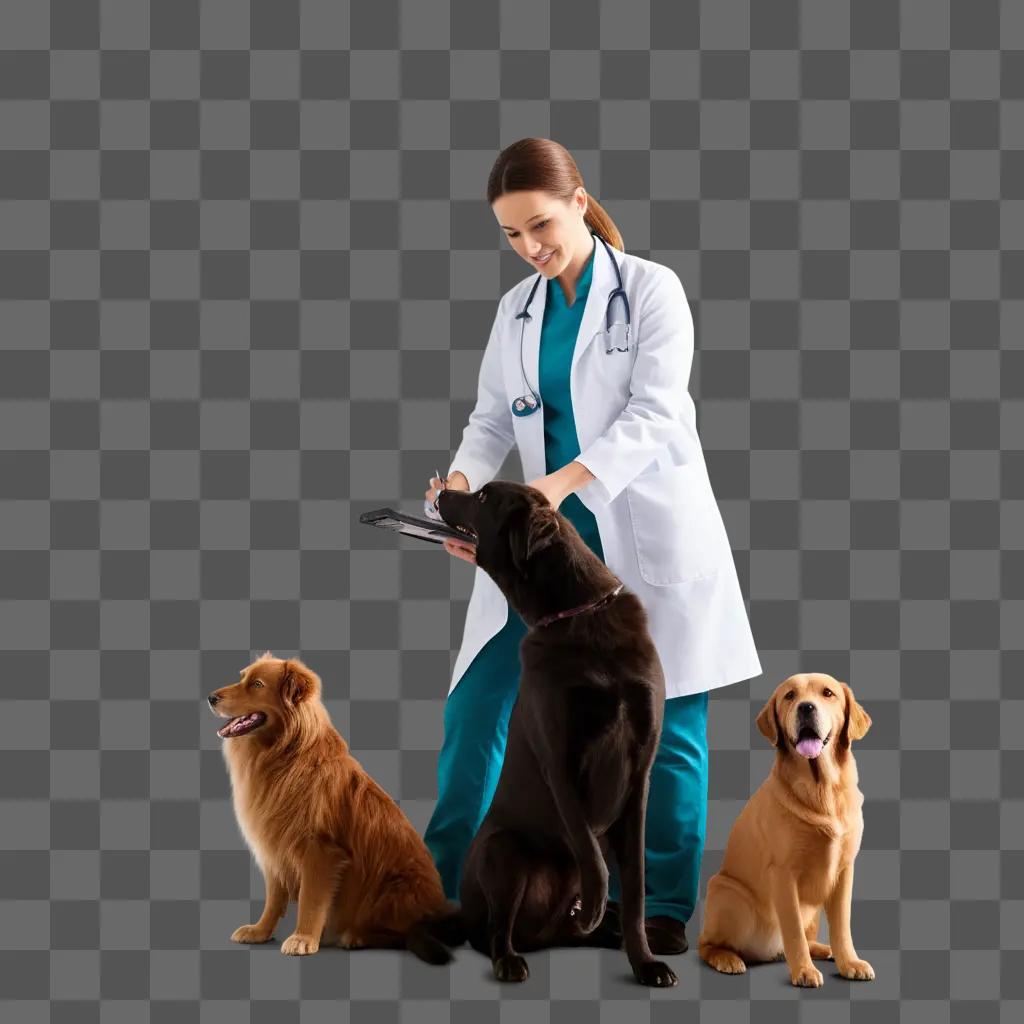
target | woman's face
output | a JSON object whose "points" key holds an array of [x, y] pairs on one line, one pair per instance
{"points": [[539, 225]]}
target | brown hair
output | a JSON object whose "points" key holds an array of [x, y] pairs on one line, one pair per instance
{"points": [[544, 165]]}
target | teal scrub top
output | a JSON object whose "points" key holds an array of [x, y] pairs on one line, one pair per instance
{"points": [[560, 327]]}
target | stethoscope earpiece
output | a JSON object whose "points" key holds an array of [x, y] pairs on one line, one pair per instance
{"points": [[526, 404]]}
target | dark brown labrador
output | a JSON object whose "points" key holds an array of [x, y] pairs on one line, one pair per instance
{"points": [[582, 735]]}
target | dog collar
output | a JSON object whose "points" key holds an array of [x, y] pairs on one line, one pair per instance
{"points": [[544, 620]]}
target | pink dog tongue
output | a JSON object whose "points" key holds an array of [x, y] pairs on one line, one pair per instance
{"points": [[242, 724], [809, 747]]}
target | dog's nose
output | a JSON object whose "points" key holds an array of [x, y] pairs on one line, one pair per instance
{"points": [[807, 708], [213, 698]]}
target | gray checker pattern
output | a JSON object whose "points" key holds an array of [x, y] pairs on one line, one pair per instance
{"points": [[246, 274]]}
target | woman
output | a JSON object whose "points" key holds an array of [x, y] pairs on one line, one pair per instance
{"points": [[636, 488]]}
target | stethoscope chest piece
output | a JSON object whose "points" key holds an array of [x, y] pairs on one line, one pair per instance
{"points": [[525, 405]]}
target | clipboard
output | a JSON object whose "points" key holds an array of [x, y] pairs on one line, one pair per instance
{"points": [[413, 526]]}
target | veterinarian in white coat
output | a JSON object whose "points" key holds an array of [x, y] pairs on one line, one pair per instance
{"points": [[637, 480]]}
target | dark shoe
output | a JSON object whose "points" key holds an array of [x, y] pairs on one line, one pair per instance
{"points": [[666, 935]]}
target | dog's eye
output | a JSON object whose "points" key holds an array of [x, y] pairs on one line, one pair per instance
{"points": [[482, 496], [827, 692], [257, 683], [789, 696]]}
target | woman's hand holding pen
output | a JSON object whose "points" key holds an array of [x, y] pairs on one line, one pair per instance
{"points": [[456, 482]]}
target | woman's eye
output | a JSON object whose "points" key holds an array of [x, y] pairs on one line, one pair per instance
{"points": [[539, 224]]}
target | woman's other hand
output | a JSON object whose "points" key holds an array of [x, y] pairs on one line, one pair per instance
{"points": [[467, 552], [552, 486]]}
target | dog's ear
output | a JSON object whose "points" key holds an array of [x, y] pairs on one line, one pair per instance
{"points": [[533, 530], [856, 722], [768, 723], [299, 683]]}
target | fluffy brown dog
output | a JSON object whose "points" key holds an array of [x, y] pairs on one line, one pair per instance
{"points": [[322, 831], [792, 848]]}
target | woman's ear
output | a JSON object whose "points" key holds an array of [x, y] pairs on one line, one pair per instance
{"points": [[299, 682], [532, 531], [768, 723], [857, 720]]}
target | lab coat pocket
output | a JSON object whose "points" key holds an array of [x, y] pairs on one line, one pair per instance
{"points": [[675, 523]]}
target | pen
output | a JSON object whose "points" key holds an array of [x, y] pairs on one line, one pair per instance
{"points": [[430, 508]]}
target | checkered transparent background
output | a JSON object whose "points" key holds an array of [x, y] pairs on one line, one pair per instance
{"points": [[246, 273]]}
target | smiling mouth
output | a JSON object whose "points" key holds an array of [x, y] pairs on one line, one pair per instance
{"points": [[242, 724], [545, 259], [808, 743]]}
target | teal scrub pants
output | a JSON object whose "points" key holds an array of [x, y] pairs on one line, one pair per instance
{"points": [[476, 728]]}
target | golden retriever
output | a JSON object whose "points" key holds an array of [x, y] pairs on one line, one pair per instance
{"points": [[322, 831], [792, 847]]}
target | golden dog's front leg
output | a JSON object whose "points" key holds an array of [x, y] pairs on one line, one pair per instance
{"points": [[837, 909], [319, 877], [818, 950], [274, 906], [787, 908]]}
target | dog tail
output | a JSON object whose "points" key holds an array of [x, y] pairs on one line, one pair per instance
{"points": [[430, 937]]}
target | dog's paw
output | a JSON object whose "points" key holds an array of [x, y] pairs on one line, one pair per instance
{"points": [[299, 945], [857, 970], [655, 974], [251, 933], [726, 961], [807, 976], [820, 950], [511, 967]]}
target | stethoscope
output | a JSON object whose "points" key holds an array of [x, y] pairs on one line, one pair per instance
{"points": [[526, 404]]}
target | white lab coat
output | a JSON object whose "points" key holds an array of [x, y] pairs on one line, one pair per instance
{"points": [[661, 529]]}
